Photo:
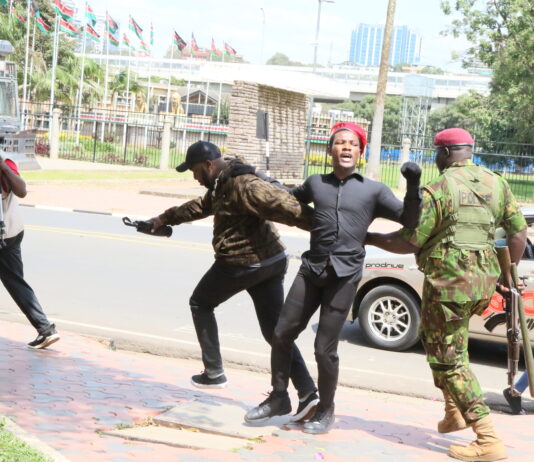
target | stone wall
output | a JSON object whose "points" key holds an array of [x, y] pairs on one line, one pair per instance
{"points": [[287, 112]]}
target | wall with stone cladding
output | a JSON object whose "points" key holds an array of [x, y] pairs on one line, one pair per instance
{"points": [[287, 112]]}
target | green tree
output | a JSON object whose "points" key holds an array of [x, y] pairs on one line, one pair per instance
{"points": [[501, 35], [119, 84], [392, 114], [280, 59]]}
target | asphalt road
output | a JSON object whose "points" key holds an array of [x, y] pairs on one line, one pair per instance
{"points": [[95, 276]]}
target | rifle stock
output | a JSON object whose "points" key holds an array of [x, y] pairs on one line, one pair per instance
{"points": [[515, 315]]}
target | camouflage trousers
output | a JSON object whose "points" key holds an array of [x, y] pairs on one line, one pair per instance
{"points": [[444, 332]]}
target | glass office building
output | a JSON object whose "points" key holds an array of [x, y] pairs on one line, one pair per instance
{"points": [[366, 45]]}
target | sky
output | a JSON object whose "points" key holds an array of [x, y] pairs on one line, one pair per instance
{"points": [[257, 29]]}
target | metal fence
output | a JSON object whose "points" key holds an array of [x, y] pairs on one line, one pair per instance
{"points": [[131, 138], [514, 161], [119, 137]]}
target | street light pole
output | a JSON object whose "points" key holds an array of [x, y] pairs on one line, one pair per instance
{"points": [[262, 34], [310, 111]]}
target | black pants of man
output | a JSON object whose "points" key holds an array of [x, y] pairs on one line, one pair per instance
{"points": [[265, 286], [12, 276], [309, 291]]}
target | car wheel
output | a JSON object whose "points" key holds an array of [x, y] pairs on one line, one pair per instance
{"points": [[389, 317]]}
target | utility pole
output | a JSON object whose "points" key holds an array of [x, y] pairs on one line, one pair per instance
{"points": [[373, 164], [311, 101]]}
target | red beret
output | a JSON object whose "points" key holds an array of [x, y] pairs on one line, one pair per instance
{"points": [[355, 128], [452, 136]]}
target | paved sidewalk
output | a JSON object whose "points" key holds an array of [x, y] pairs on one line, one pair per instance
{"points": [[67, 395]]}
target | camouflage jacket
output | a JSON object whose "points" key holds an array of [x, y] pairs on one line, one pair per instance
{"points": [[241, 205], [454, 274]]}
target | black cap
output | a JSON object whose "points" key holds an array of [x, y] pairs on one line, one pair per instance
{"points": [[199, 152]]}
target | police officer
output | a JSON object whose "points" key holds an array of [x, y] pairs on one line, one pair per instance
{"points": [[454, 244]]}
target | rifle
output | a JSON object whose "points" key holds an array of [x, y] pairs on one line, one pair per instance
{"points": [[515, 320]]}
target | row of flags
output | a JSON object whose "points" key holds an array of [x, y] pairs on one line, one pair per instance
{"points": [[65, 15]]}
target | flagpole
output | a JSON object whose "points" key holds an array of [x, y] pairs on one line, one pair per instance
{"points": [[106, 77], [32, 48], [25, 79], [80, 87], [205, 101], [54, 63], [187, 98], [10, 8], [220, 95], [170, 77], [128, 79]]}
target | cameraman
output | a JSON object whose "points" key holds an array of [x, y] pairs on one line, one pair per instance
{"points": [[248, 256], [11, 268]]}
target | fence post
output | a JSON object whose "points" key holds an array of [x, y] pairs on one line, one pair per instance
{"points": [[165, 143], [54, 134], [405, 157]]}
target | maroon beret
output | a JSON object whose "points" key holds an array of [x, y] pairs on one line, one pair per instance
{"points": [[355, 128], [453, 136]]}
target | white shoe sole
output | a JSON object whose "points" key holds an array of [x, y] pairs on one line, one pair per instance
{"points": [[202, 385], [49, 340], [306, 412]]}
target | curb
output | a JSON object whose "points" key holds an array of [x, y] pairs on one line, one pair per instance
{"points": [[33, 441]]}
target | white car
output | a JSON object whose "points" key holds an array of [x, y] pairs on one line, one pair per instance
{"points": [[388, 302]]}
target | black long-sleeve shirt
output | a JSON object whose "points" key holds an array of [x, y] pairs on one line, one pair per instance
{"points": [[344, 209]]}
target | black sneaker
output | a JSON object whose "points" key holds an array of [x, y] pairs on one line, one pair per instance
{"points": [[278, 403], [321, 421], [306, 408], [203, 381], [514, 402], [45, 339]]}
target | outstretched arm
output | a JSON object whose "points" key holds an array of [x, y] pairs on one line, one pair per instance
{"points": [[269, 202], [196, 209], [392, 242]]}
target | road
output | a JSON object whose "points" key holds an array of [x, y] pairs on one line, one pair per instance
{"points": [[95, 276]]}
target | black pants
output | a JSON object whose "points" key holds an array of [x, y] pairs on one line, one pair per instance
{"points": [[335, 296], [12, 276], [265, 286]]}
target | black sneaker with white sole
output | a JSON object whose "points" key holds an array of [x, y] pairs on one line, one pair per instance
{"points": [[278, 403], [203, 381], [45, 339], [306, 408]]}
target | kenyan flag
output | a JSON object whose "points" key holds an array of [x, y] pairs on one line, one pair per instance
{"points": [[63, 10], [90, 15], [42, 23], [136, 28], [179, 41], [21, 18], [126, 41], [112, 25], [91, 33], [113, 40], [143, 46], [67, 27], [229, 49]]}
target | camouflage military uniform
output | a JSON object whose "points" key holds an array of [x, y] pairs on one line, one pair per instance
{"points": [[458, 283], [241, 205]]}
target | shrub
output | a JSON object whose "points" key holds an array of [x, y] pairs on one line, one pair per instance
{"points": [[42, 148]]}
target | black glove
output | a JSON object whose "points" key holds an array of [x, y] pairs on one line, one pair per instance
{"points": [[146, 227], [413, 198]]}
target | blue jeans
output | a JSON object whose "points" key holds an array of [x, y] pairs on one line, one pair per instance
{"points": [[522, 384]]}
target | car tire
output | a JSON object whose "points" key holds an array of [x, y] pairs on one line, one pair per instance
{"points": [[389, 317]]}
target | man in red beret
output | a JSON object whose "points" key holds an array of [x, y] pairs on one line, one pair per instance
{"points": [[345, 204], [455, 248]]}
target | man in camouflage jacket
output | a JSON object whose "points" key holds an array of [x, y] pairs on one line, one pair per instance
{"points": [[248, 255], [454, 244]]}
